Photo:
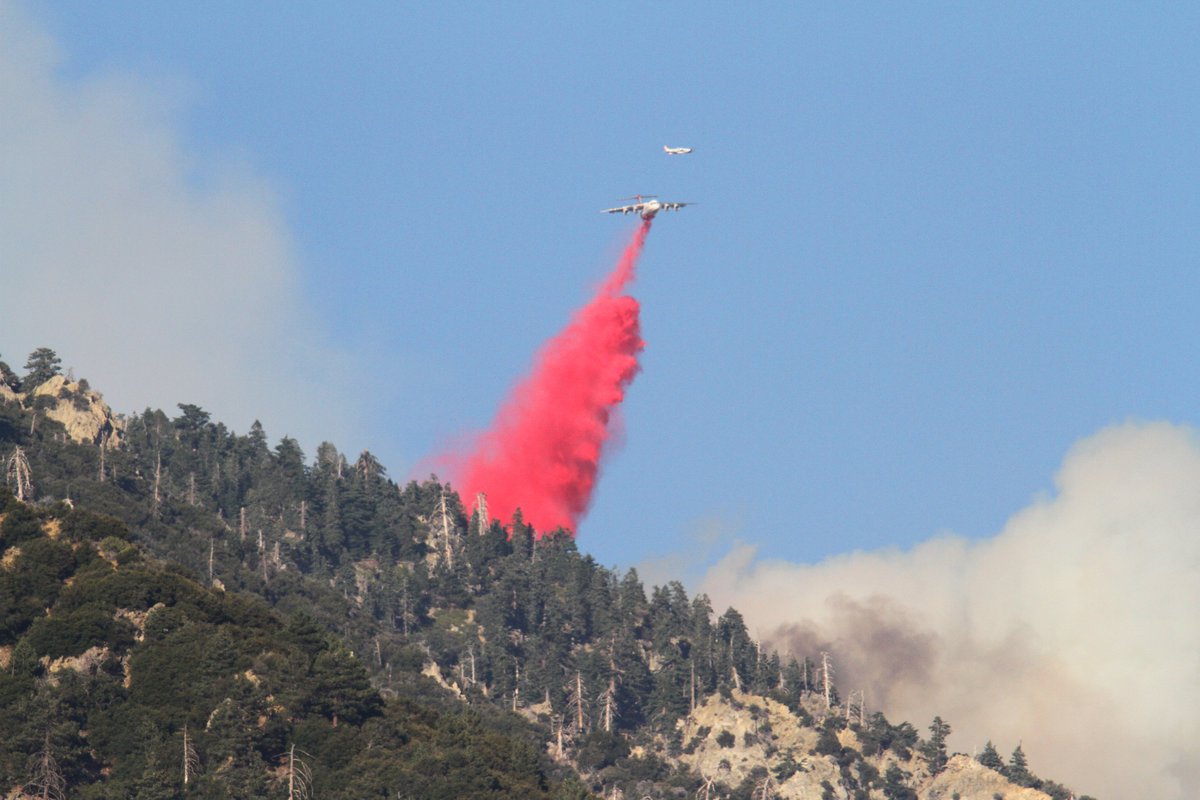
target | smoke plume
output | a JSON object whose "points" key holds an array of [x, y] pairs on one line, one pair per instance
{"points": [[1073, 632], [129, 254], [542, 453]]}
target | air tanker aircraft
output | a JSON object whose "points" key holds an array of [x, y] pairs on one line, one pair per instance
{"points": [[676, 151], [646, 208]]}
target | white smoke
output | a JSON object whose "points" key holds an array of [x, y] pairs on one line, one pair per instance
{"points": [[1074, 632], [161, 279]]}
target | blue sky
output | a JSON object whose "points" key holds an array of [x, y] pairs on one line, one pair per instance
{"points": [[932, 247], [923, 346]]}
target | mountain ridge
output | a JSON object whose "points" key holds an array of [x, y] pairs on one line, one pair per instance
{"points": [[612, 678]]}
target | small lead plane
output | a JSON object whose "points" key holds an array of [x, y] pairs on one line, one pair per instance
{"points": [[676, 151], [646, 208]]}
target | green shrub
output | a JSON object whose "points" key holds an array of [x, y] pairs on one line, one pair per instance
{"points": [[31, 586], [162, 621], [72, 633], [600, 749], [20, 524], [85, 526]]}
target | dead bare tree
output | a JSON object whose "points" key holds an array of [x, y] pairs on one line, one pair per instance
{"points": [[576, 702], [103, 446], [608, 701], [157, 481], [481, 507], [262, 555], [406, 615], [443, 531], [19, 476], [299, 775], [48, 782], [827, 679], [560, 742], [191, 762], [765, 790], [856, 701]]}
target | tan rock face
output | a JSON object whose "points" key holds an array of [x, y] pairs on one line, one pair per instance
{"points": [[84, 414], [970, 780], [765, 733], [137, 619], [756, 724], [9, 559], [87, 662], [432, 670]]}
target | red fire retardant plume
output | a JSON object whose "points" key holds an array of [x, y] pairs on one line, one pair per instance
{"points": [[543, 452]]}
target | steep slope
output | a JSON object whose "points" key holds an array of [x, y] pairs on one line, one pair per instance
{"points": [[618, 685], [123, 677]]}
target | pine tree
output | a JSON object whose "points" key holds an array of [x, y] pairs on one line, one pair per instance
{"points": [[8, 377], [43, 364], [894, 787], [738, 655], [193, 420], [341, 689], [1017, 770], [631, 602], [934, 749], [522, 537], [990, 758]]}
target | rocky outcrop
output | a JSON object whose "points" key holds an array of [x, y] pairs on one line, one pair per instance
{"points": [[432, 670], [137, 619], [727, 740], [87, 663], [8, 559], [83, 412], [967, 779]]}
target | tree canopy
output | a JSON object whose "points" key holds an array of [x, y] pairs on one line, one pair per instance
{"points": [[42, 365]]}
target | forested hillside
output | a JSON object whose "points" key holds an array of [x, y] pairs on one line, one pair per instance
{"points": [[125, 678], [167, 579]]}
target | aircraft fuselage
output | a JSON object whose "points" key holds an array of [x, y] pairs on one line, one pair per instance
{"points": [[651, 207]]}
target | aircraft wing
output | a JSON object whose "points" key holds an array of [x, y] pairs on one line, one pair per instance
{"points": [[624, 209], [673, 206]]}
